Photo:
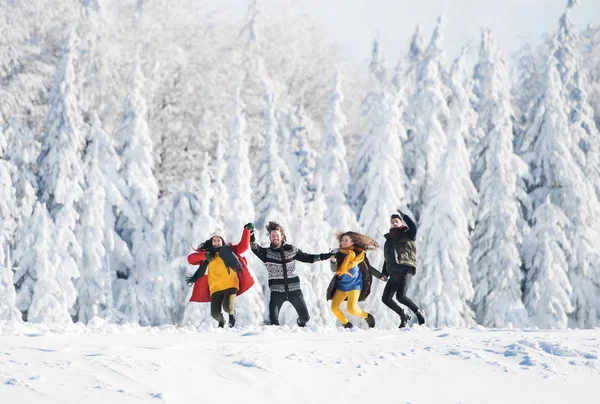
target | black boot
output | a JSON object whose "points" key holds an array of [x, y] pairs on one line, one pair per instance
{"points": [[420, 317], [370, 320], [348, 325], [221, 323], [232, 320], [300, 323], [403, 319]]}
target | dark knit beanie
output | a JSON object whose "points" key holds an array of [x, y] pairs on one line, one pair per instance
{"points": [[395, 216]]}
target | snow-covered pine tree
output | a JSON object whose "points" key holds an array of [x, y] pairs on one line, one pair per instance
{"points": [[272, 201], [428, 137], [118, 259], [378, 174], [303, 159], [443, 287], [238, 179], [94, 75], [220, 208], [332, 172], [547, 294], [255, 82], [238, 176], [9, 213], [181, 232], [404, 82], [60, 168], [198, 314], [148, 295], [498, 172], [94, 287], [585, 263], [22, 151], [8, 308], [552, 153], [378, 65], [52, 296]]}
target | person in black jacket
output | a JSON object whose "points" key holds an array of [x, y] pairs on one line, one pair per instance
{"points": [[400, 264], [284, 283]]}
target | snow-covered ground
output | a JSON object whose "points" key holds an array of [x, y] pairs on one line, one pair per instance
{"points": [[105, 363]]}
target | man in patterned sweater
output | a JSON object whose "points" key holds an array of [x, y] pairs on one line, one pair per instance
{"points": [[284, 283]]}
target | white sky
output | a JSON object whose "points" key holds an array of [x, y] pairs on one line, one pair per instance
{"points": [[354, 23]]}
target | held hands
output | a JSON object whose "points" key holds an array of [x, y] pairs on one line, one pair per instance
{"points": [[325, 256], [250, 226], [333, 252]]}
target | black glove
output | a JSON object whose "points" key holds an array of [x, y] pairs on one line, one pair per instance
{"points": [[190, 280], [325, 256], [252, 238], [250, 227]]}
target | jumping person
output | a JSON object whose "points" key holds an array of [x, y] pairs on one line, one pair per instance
{"points": [[353, 276], [228, 274], [284, 284], [400, 264]]}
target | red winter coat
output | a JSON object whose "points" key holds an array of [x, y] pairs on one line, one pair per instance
{"points": [[201, 292]]}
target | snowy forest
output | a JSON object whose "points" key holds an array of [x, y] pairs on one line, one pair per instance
{"points": [[131, 130]]}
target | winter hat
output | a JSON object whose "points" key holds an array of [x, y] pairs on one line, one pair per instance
{"points": [[396, 215], [218, 233]]}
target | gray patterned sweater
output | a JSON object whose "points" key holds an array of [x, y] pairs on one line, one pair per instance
{"points": [[281, 266]]}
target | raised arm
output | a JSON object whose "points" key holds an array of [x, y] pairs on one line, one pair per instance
{"points": [[311, 258], [412, 226], [259, 251], [244, 243]]}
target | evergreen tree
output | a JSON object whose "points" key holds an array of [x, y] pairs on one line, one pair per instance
{"points": [[445, 288], [8, 309], [94, 287], [53, 295], [547, 289], [495, 261], [203, 224], [60, 178], [271, 193], [428, 138], [332, 170], [552, 153], [220, 204], [148, 295], [379, 177]]}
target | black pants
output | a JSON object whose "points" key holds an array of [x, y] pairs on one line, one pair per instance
{"points": [[398, 284], [296, 298], [224, 298]]}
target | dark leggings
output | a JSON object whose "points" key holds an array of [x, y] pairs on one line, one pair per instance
{"points": [[296, 299], [398, 284], [223, 298]]}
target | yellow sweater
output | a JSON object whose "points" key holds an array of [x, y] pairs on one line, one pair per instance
{"points": [[220, 277]]}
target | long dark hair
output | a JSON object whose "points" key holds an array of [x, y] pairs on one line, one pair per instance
{"points": [[361, 241]]}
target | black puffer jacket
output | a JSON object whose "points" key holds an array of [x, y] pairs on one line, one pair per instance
{"points": [[400, 248]]}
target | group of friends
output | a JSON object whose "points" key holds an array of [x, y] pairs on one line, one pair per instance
{"points": [[223, 272]]}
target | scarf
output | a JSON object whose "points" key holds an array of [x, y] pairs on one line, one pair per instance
{"points": [[227, 255], [354, 256]]}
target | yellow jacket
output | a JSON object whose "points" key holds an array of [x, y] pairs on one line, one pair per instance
{"points": [[220, 277]]}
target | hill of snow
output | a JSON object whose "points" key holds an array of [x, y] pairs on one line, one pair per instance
{"points": [[105, 363]]}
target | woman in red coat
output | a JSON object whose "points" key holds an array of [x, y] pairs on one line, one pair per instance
{"points": [[227, 274]]}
